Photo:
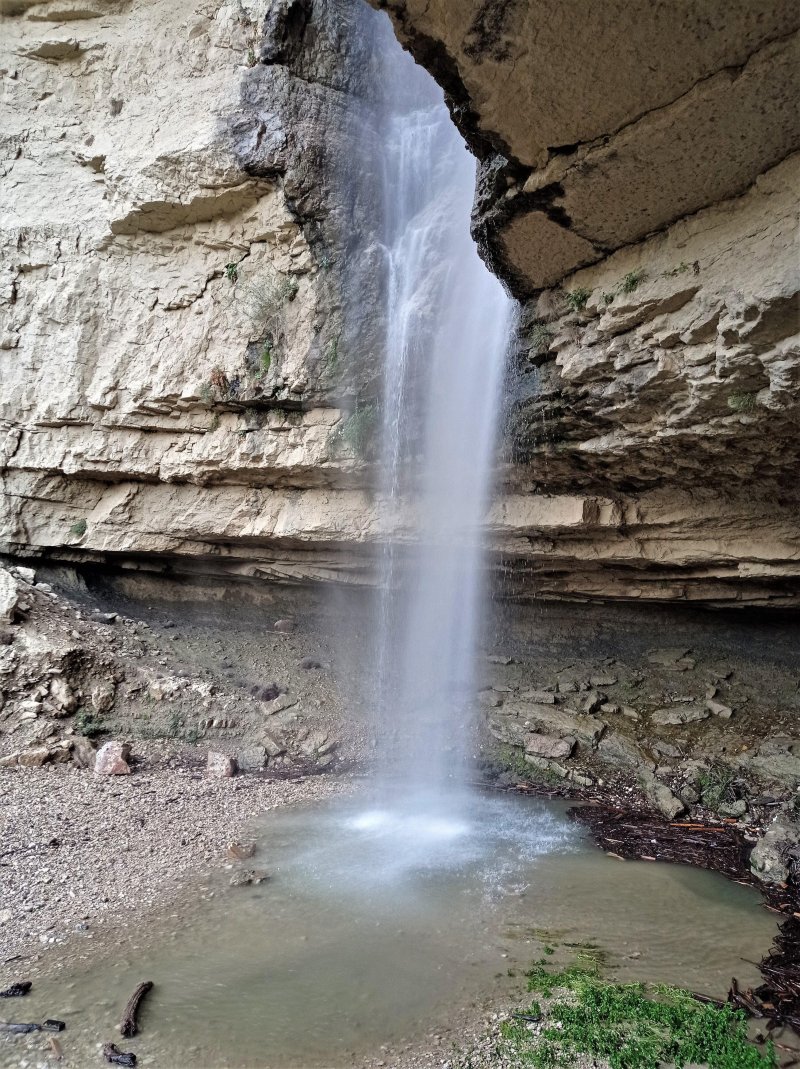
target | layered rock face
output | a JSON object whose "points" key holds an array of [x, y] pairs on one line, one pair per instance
{"points": [[637, 191], [188, 311]]}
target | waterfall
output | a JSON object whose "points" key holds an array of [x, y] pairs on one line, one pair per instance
{"points": [[447, 323]]}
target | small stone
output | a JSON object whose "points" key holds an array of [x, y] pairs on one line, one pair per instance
{"points": [[45, 588], [609, 708], [220, 766], [27, 575], [668, 656], [34, 758], [718, 709], [495, 659], [285, 625], [310, 662], [567, 686], [629, 712], [103, 617], [112, 759], [241, 851], [685, 714], [10, 760], [490, 699], [540, 697], [603, 681], [733, 809]]}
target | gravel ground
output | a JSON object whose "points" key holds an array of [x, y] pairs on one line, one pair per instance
{"points": [[76, 848]]}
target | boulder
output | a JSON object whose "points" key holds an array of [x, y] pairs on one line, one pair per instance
{"points": [[273, 747], [9, 596], [718, 709], [220, 766], [777, 761], [549, 746], [62, 695], [103, 694], [112, 759], [621, 752], [778, 850], [251, 759], [285, 625], [551, 720], [34, 758]]}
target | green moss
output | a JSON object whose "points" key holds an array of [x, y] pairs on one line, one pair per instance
{"points": [[78, 529], [630, 1025]]}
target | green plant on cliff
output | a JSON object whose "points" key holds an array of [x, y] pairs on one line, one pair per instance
{"points": [[78, 529], [739, 401], [576, 299], [357, 431], [263, 300], [232, 273], [632, 1026], [632, 280]]}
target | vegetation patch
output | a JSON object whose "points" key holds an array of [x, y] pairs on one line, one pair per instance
{"points": [[631, 1026], [576, 299], [739, 401], [632, 280], [78, 529]]}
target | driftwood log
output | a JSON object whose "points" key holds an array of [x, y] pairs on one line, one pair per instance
{"points": [[113, 1054], [19, 1029], [128, 1025], [17, 990]]}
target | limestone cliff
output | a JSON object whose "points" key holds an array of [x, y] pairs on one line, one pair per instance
{"points": [[187, 311]]}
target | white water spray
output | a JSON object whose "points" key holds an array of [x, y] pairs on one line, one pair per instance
{"points": [[447, 326]]}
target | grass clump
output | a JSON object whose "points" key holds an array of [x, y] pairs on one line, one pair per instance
{"points": [[576, 299], [630, 1025], [78, 529], [540, 338], [739, 401], [716, 785], [232, 273]]}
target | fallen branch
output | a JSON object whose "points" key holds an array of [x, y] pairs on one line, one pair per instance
{"points": [[128, 1026], [19, 1029]]}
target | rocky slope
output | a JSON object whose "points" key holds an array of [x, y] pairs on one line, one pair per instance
{"points": [[189, 322]]}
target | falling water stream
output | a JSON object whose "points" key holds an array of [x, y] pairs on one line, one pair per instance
{"points": [[447, 327], [399, 915]]}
